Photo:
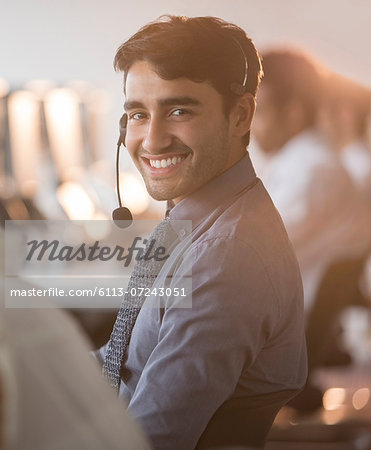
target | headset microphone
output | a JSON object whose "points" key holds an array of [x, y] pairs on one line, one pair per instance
{"points": [[121, 215]]}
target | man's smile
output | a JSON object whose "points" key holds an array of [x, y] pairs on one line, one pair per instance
{"points": [[163, 164]]}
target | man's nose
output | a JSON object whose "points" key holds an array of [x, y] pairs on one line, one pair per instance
{"points": [[157, 136]]}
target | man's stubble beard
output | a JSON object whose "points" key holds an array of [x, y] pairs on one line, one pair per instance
{"points": [[161, 193], [210, 163]]}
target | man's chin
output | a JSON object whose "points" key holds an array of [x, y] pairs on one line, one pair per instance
{"points": [[164, 191], [161, 195], [161, 198]]}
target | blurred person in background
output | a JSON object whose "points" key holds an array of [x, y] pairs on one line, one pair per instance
{"points": [[343, 121], [305, 178], [314, 194]]}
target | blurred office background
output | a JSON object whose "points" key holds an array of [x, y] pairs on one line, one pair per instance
{"points": [[61, 99], [60, 102]]}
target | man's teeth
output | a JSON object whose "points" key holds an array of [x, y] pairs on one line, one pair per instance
{"points": [[162, 163]]}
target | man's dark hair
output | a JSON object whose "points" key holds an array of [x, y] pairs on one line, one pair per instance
{"points": [[198, 48], [293, 75]]}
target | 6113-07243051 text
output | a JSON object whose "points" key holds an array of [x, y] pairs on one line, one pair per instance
{"points": [[100, 291]]}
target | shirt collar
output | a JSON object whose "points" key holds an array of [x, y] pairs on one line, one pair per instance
{"points": [[169, 206], [198, 205]]}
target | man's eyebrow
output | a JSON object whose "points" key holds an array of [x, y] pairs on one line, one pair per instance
{"points": [[131, 104], [169, 101], [183, 100]]}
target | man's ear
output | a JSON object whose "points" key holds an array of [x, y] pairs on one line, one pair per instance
{"points": [[243, 113]]}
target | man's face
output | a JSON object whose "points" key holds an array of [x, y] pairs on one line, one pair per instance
{"points": [[269, 129], [177, 134]]}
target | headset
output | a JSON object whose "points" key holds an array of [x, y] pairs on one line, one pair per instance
{"points": [[238, 88], [122, 216]]}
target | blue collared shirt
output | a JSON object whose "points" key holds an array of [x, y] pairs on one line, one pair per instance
{"points": [[243, 335]]}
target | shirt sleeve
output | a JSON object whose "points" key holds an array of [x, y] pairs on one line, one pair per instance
{"points": [[202, 350]]}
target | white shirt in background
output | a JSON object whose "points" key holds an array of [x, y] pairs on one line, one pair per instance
{"points": [[317, 202], [356, 158]]}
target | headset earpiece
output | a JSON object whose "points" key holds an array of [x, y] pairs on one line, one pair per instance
{"points": [[123, 126]]}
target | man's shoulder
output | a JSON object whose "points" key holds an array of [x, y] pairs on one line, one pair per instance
{"points": [[248, 244], [251, 221]]}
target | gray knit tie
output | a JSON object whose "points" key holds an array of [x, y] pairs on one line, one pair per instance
{"points": [[143, 276]]}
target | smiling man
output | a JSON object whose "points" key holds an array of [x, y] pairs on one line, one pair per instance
{"points": [[217, 373], [188, 141]]}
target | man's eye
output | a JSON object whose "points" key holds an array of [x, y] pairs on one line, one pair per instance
{"points": [[137, 116], [179, 112]]}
